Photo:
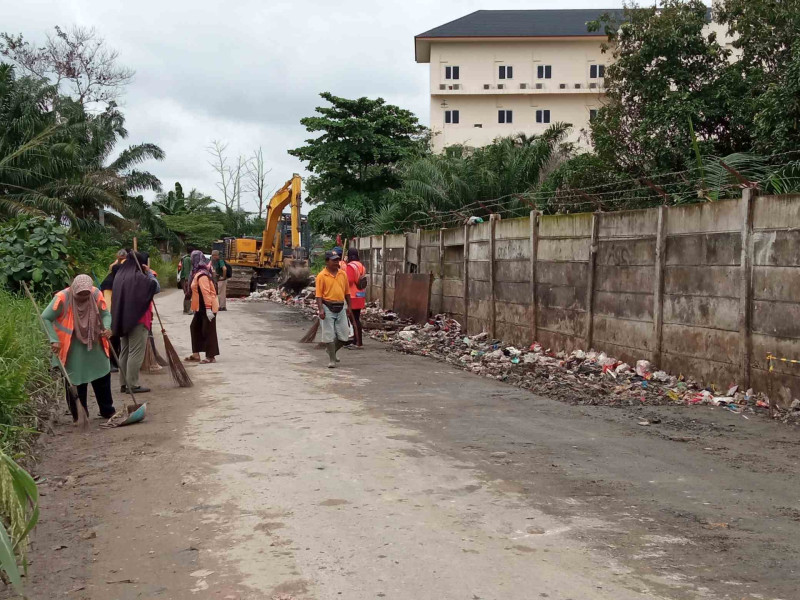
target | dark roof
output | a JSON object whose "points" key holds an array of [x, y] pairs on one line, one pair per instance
{"points": [[521, 23]]}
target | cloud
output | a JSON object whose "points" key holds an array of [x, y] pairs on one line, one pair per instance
{"points": [[245, 71]]}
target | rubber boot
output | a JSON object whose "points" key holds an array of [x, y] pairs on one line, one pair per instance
{"points": [[332, 355], [339, 345]]}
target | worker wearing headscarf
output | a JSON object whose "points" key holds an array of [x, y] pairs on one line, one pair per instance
{"points": [[132, 315], [205, 306], [78, 324]]}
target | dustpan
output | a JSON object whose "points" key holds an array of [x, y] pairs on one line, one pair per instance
{"points": [[135, 416]]}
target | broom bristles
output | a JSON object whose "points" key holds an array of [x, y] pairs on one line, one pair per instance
{"points": [[159, 359], [83, 416], [311, 334], [176, 369], [149, 363]]}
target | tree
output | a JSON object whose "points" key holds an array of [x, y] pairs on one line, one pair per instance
{"points": [[257, 179], [470, 181], [360, 141], [76, 61], [666, 71], [171, 203], [230, 177], [765, 33]]}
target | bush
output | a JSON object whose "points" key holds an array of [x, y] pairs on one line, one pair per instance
{"points": [[34, 250], [27, 388]]}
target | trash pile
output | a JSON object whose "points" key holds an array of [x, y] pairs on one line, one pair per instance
{"points": [[305, 300], [578, 377]]}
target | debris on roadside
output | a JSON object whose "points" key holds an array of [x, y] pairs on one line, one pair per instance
{"points": [[578, 377]]}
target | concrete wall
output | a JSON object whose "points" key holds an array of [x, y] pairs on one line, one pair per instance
{"points": [[706, 290]]}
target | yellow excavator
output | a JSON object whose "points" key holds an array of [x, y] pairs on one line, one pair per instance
{"points": [[280, 255]]}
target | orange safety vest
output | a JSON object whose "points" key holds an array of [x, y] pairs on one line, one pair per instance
{"points": [[64, 324]]}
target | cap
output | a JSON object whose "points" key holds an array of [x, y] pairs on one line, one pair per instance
{"points": [[332, 255]]}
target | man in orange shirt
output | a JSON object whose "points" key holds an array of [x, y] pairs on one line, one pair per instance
{"points": [[333, 297]]}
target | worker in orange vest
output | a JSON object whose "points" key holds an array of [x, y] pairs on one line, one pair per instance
{"points": [[79, 325]]}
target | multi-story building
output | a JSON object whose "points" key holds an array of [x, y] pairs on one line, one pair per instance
{"points": [[499, 72], [496, 73]]}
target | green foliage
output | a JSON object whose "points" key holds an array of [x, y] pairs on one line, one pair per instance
{"points": [[34, 250], [353, 157], [778, 116], [470, 180], [25, 380], [199, 230], [56, 159], [666, 70], [19, 508]]}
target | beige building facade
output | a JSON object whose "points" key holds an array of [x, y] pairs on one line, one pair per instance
{"points": [[495, 73]]}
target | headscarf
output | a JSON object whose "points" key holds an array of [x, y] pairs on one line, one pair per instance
{"points": [[200, 264], [132, 292], [87, 324], [108, 282]]}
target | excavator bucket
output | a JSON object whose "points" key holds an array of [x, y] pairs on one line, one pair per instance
{"points": [[296, 276]]}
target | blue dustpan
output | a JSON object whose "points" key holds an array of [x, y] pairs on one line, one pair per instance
{"points": [[134, 417]]}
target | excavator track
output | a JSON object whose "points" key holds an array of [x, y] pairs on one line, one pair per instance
{"points": [[239, 283]]}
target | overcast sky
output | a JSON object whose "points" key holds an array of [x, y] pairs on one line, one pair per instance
{"points": [[245, 71]]}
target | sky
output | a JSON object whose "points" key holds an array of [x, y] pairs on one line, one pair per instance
{"points": [[245, 72]]}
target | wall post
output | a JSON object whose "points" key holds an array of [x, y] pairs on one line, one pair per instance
{"points": [[383, 272], [746, 287], [441, 268], [492, 313], [405, 252], [466, 278], [590, 288], [658, 284], [534, 225]]}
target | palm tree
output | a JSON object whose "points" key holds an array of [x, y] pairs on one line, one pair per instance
{"points": [[439, 190], [33, 153]]}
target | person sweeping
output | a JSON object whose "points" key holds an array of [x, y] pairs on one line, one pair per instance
{"points": [[205, 305], [132, 315], [333, 305], [78, 324]]}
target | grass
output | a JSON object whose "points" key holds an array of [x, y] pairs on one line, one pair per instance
{"points": [[26, 385]]}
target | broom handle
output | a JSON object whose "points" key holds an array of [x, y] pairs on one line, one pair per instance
{"points": [[122, 370], [44, 328]]}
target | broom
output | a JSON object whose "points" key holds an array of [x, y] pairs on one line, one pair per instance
{"points": [[311, 334], [179, 374], [72, 392], [150, 364]]}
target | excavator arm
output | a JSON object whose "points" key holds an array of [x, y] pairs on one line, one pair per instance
{"points": [[288, 194]]}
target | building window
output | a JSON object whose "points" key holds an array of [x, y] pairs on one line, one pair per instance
{"points": [[544, 72], [592, 114], [597, 71], [505, 116], [451, 116], [506, 72], [451, 73], [542, 116]]}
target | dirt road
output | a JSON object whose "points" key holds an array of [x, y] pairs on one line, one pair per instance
{"points": [[399, 477]]}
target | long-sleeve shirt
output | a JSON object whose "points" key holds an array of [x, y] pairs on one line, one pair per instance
{"points": [[209, 293], [83, 365]]}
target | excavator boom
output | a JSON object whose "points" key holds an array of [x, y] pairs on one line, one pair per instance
{"points": [[263, 262]]}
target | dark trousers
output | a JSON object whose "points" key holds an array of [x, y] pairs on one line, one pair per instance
{"points": [[102, 392], [204, 335], [357, 327]]}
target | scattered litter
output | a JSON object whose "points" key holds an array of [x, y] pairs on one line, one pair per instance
{"points": [[578, 377]]}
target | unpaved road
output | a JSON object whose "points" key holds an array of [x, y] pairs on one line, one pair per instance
{"points": [[400, 477]]}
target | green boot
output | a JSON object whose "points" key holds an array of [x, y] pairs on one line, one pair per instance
{"points": [[332, 355]]}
